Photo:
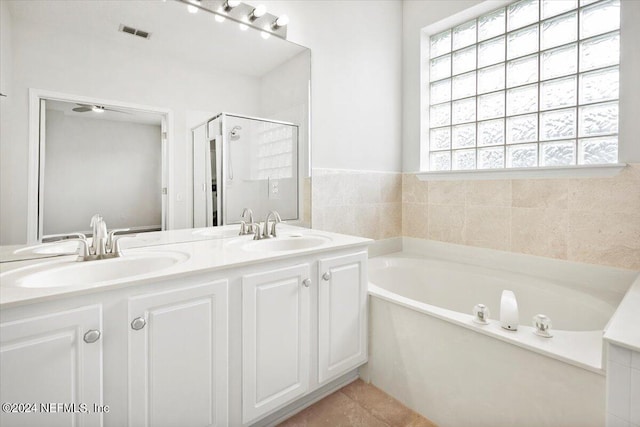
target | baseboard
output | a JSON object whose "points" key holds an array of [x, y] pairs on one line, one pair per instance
{"points": [[288, 411]]}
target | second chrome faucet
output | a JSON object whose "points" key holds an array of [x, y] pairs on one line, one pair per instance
{"points": [[254, 228]]}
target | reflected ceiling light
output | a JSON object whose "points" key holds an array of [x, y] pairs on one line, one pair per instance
{"points": [[280, 22], [97, 109], [265, 35], [257, 12], [243, 27], [230, 4], [219, 18]]}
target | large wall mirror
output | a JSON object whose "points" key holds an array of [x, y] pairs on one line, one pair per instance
{"points": [[96, 119]]}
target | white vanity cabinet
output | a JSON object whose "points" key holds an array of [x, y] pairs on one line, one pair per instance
{"points": [[342, 314], [178, 351], [319, 305], [235, 345], [49, 360], [276, 315]]}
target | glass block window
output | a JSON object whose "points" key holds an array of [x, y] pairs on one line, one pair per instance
{"points": [[532, 84]]}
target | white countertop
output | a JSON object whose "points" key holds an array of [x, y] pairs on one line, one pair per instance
{"points": [[203, 254], [624, 327]]}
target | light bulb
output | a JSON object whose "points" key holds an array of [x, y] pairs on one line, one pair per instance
{"points": [[233, 3], [265, 35], [243, 27], [259, 11], [282, 21], [97, 109]]}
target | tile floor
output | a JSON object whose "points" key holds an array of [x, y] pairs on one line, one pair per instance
{"points": [[358, 405]]}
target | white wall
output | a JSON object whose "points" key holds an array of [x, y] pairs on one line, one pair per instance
{"points": [[419, 14], [356, 80], [101, 166], [67, 64]]}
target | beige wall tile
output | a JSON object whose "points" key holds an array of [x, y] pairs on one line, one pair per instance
{"points": [[539, 231], [488, 227], [415, 220], [366, 221], [616, 194], [414, 190], [339, 219], [446, 223], [540, 193], [609, 238], [361, 188], [390, 188], [488, 193], [447, 192], [390, 220], [328, 190]]}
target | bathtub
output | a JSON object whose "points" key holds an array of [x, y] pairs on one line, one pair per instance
{"points": [[426, 350]]}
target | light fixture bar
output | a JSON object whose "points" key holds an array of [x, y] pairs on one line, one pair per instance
{"points": [[242, 13]]}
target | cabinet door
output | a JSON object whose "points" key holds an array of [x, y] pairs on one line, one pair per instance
{"points": [[45, 361], [178, 357], [342, 314], [275, 339]]}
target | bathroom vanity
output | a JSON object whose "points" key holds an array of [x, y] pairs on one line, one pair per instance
{"points": [[221, 332]]}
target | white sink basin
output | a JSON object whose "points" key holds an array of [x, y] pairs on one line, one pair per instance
{"points": [[57, 248], [71, 273], [286, 243], [217, 232]]}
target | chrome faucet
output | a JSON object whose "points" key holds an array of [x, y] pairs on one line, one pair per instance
{"points": [[104, 245], [266, 234], [247, 227]]}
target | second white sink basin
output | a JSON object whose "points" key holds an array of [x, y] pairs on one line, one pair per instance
{"points": [[286, 243], [57, 248], [72, 273]]}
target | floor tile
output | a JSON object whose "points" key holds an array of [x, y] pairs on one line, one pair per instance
{"points": [[358, 405]]}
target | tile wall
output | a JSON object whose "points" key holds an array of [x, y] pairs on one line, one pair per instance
{"points": [[623, 387], [592, 220], [361, 203]]}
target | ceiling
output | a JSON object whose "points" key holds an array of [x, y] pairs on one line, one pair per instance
{"points": [[196, 38], [120, 115]]}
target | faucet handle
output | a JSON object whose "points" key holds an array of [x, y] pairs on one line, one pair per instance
{"points": [[112, 238]]}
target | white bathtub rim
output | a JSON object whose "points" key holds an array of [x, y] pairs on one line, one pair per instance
{"points": [[613, 279], [582, 349]]}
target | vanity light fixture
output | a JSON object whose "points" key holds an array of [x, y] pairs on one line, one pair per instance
{"points": [[257, 12], [280, 22], [191, 8], [244, 14], [230, 4]]}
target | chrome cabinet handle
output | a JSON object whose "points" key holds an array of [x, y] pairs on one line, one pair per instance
{"points": [[138, 323], [326, 276], [91, 336], [306, 283]]}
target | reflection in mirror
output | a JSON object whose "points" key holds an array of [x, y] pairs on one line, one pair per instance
{"points": [[187, 71], [99, 159], [243, 162]]}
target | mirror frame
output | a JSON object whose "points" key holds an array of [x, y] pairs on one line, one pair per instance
{"points": [[36, 161]]}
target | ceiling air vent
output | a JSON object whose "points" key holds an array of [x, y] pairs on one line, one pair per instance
{"points": [[134, 31]]}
